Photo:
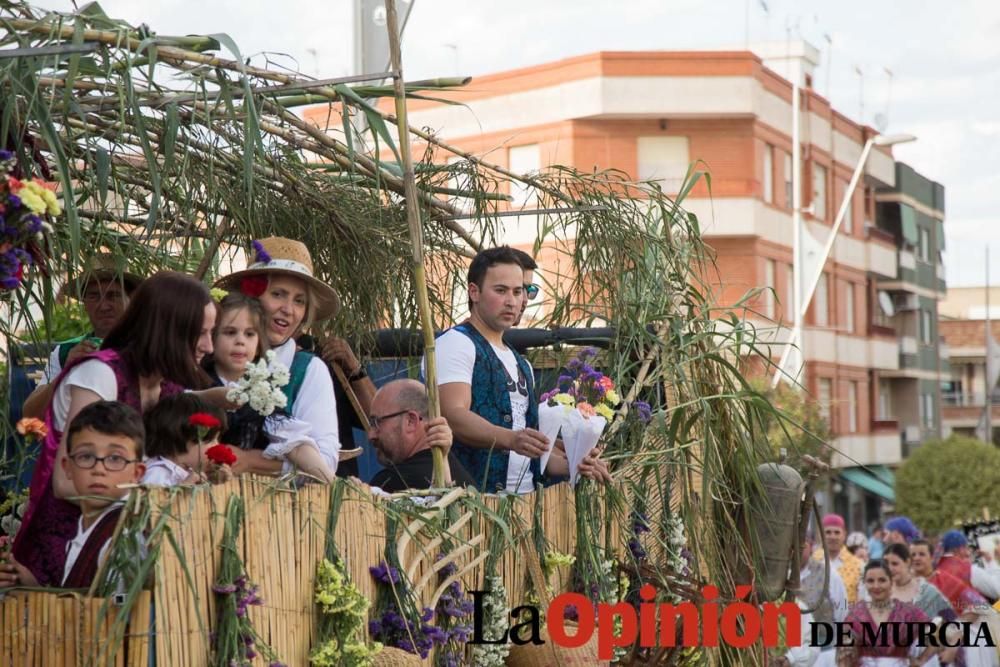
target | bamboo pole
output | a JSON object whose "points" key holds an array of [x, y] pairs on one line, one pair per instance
{"points": [[416, 232]]}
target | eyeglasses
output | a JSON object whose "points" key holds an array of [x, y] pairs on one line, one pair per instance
{"points": [[112, 462], [531, 290], [376, 420]]}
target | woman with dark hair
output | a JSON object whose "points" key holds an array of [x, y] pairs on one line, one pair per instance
{"points": [[872, 613], [914, 589], [153, 351]]}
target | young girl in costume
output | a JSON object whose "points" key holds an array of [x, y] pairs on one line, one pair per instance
{"points": [[174, 446], [240, 338]]}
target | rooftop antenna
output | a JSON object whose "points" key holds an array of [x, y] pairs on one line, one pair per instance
{"points": [[888, 92]]}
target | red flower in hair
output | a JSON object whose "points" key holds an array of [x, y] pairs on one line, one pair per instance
{"points": [[220, 454], [253, 286], [204, 420]]}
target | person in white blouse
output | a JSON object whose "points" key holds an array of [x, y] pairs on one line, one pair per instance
{"points": [[281, 278]]}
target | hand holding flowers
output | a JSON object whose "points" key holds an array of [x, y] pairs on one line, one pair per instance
{"points": [[260, 386]]}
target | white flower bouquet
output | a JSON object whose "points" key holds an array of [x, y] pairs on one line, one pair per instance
{"points": [[261, 386]]}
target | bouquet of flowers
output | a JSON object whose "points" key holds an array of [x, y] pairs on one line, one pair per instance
{"points": [[580, 406], [261, 386], [24, 206]]}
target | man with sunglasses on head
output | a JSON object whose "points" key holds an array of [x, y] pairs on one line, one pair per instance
{"points": [[404, 439], [531, 289]]}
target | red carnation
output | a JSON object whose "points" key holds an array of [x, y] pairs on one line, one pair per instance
{"points": [[253, 286], [220, 454], [204, 420]]}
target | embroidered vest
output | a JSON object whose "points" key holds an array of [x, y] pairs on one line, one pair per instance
{"points": [[85, 568], [50, 522], [491, 401]]}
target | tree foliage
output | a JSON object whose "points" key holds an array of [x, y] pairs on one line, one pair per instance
{"points": [[948, 480], [797, 425]]}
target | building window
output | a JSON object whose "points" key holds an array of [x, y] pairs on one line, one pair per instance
{"points": [[768, 173], [788, 181], [849, 306], [924, 244], [524, 160], [819, 191], [926, 333], [884, 401], [665, 160], [852, 407], [928, 410], [789, 292], [821, 303], [825, 394], [769, 268]]}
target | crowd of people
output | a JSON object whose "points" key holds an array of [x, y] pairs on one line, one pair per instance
{"points": [[895, 575], [144, 396]]}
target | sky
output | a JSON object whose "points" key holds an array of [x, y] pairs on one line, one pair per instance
{"points": [[932, 69]]}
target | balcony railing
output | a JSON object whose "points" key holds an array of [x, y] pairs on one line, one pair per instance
{"points": [[968, 399]]}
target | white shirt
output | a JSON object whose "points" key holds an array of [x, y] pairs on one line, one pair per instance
{"points": [[456, 359], [75, 546], [52, 368], [837, 592], [163, 472], [94, 375], [985, 581], [803, 655], [316, 404]]}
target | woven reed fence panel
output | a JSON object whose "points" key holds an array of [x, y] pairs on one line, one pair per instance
{"points": [[283, 538], [65, 630]]}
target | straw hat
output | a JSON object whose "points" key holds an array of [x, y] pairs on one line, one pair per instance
{"points": [[103, 266], [285, 257]]}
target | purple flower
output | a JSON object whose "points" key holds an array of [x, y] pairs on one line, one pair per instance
{"points": [[574, 364], [5, 155], [385, 573], [644, 412], [251, 654], [635, 548], [14, 201], [34, 224], [570, 613], [261, 257]]}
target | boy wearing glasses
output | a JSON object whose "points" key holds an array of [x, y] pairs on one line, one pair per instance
{"points": [[104, 450]]}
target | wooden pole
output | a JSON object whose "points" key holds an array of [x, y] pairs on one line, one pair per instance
{"points": [[416, 230]]}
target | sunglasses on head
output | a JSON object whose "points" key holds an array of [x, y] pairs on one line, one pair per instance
{"points": [[531, 290]]}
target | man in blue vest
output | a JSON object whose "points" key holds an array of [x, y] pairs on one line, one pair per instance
{"points": [[103, 287], [487, 388]]}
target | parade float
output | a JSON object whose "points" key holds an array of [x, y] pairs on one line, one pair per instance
{"points": [[176, 152]]}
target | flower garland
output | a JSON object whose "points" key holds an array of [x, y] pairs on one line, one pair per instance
{"points": [[235, 642], [394, 628], [24, 205], [496, 619], [454, 614], [261, 386], [343, 610]]}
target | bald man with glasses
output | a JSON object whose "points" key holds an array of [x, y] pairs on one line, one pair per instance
{"points": [[404, 439]]}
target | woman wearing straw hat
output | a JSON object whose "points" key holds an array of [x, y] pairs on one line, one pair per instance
{"points": [[281, 277], [104, 287]]}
